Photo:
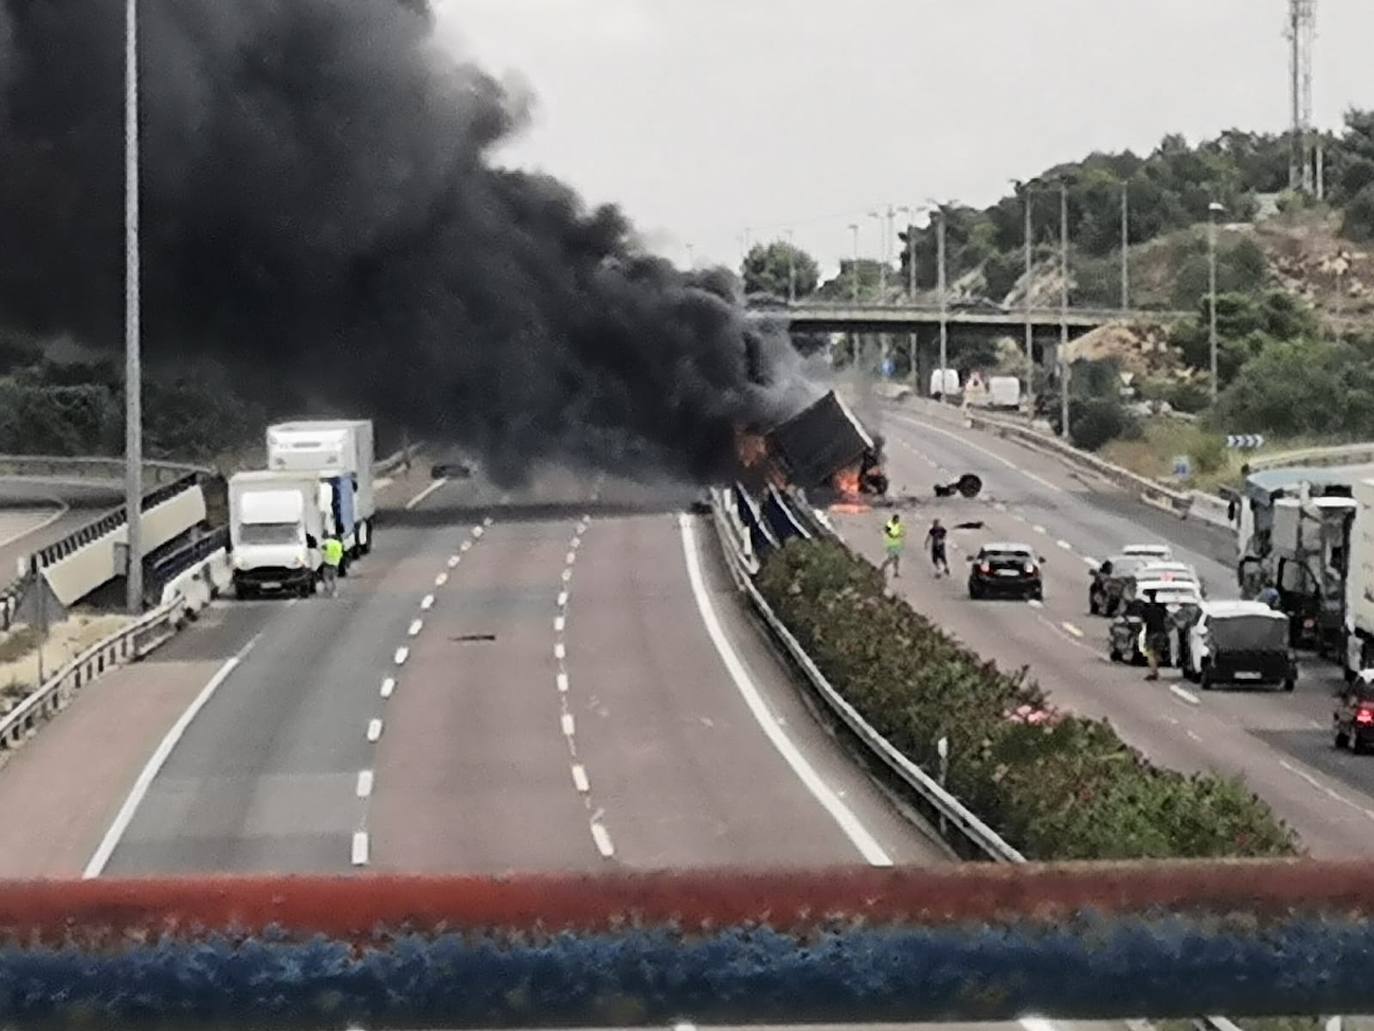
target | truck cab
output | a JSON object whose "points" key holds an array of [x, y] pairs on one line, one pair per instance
{"points": [[275, 527], [339, 453]]}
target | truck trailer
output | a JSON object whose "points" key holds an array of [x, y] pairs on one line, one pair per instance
{"points": [[339, 452]]}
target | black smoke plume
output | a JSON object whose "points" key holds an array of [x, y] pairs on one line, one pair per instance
{"points": [[320, 215]]}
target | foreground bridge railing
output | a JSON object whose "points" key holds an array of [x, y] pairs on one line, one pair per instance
{"points": [[951, 943]]}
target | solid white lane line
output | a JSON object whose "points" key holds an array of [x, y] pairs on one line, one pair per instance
{"points": [[602, 837], [1185, 694], [360, 850], [453, 561], [427, 603], [416, 625], [156, 761], [579, 775], [401, 655], [562, 682], [569, 726], [1065, 545], [388, 685], [441, 579], [558, 624], [1072, 629], [426, 492], [364, 783], [562, 599], [559, 652], [862, 840], [374, 729]]}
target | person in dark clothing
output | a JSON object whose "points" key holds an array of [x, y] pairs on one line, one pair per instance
{"points": [[1156, 620], [935, 539]]}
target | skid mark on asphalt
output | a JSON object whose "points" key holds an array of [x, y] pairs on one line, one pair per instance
{"points": [[360, 851]]}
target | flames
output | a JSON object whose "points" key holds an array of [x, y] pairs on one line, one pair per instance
{"points": [[848, 483]]}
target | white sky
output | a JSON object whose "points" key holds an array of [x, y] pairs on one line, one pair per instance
{"points": [[704, 117]]}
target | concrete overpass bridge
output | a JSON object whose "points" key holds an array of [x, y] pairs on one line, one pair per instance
{"points": [[846, 317]]}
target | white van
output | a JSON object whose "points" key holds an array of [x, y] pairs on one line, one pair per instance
{"points": [[944, 381]]}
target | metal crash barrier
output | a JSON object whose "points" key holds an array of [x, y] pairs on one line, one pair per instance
{"points": [[951, 943]]}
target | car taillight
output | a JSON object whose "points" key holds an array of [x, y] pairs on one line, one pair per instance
{"points": [[1365, 714], [986, 567], [1030, 567]]}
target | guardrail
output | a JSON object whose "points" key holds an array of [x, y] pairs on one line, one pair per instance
{"points": [[1337, 454], [953, 813], [91, 466], [53, 695]]}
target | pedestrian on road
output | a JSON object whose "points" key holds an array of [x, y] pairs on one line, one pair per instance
{"points": [[894, 540], [1156, 635], [332, 550], [1271, 597], [935, 540]]}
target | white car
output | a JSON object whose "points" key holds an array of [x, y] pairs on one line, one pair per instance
{"points": [[1160, 551], [1171, 572]]}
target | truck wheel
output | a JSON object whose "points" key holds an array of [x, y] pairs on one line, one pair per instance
{"points": [[1290, 683], [1342, 739], [243, 592]]}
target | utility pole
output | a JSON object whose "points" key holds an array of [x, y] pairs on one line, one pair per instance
{"points": [[1125, 247], [854, 268], [791, 268], [1213, 210], [1064, 309], [1026, 303], [944, 300], [133, 381], [1300, 29]]}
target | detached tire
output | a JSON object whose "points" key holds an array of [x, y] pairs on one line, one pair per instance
{"points": [[1342, 739]]}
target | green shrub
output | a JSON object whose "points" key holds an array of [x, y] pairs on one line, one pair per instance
{"points": [[1187, 396], [1094, 421], [1054, 785], [1359, 216]]}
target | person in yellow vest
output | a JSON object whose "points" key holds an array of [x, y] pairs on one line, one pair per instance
{"points": [[894, 540], [332, 551]]}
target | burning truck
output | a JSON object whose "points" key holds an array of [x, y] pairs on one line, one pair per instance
{"points": [[823, 449]]}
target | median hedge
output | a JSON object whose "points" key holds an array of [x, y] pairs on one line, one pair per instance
{"points": [[1054, 785]]}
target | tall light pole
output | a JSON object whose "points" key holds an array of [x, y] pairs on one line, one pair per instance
{"points": [[1213, 210], [1025, 191], [854, 267], [1063, 309], [942, 288], [791, 267], [877, 216], [133, 384], [1125, 245]]}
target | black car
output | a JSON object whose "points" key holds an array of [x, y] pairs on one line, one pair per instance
{"points": [[1005, 570], [1354, 716]]}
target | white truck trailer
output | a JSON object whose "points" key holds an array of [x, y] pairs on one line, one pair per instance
{"points": [[276, 523], [1359, 583], [339, 451]]}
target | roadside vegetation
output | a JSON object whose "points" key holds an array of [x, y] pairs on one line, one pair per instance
{"points": [[1052, 784]]}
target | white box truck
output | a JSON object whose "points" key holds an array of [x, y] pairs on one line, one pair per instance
{"points": [[1359, 583], [276, 523], [339, 451], [944, 382], [1004, 392]]}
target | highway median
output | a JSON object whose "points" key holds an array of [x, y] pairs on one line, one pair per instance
{"points": [[1054, 785]]}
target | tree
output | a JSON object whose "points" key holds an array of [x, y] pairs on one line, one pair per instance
{"points": [[769, 268], [1358, 224], [1300, 387]]}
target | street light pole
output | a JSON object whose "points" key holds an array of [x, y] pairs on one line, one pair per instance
{"points": [[133, 384], [791, 268], [1125, 244], [944, 299], [1064, 309], [854, 268], [1026, 299], [1212, 210]]}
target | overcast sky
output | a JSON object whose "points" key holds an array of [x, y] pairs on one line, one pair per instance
{"points": [[704, 117]]}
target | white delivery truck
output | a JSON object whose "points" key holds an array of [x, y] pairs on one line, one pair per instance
{"points": [[1359, 583], [276, 523], [1004, 392], [944, 382], [340, 452]]}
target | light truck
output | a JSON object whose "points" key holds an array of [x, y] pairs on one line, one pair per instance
{"points": [[340, 453], [276, 523]]}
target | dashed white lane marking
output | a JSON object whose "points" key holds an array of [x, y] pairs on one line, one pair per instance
{"points": [[558, 624], [360, 848], [426, 493], [568, 724], [465, 546], [1037, 1024], [364, 783], [1325, 789], [559, 652], [1036, 603], [487, 521], [571, 557], [1038, 528], [388, 686], [562, 599], [401, 655], [374, 729], [477, 531], [441, 579], [416, 625], [156, 761], [1090, 561], [963, 439], [602, 837], [1194, 735], [579, 775], [453, 561], [1185, 694], [1000, 506], [567, 575], [1072, 629], [576, 542], [866, 844], [427, 602], [1065, 545], [562, 681]]}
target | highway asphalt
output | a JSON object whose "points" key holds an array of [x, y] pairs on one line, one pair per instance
{"points": [[1281, 743]]}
